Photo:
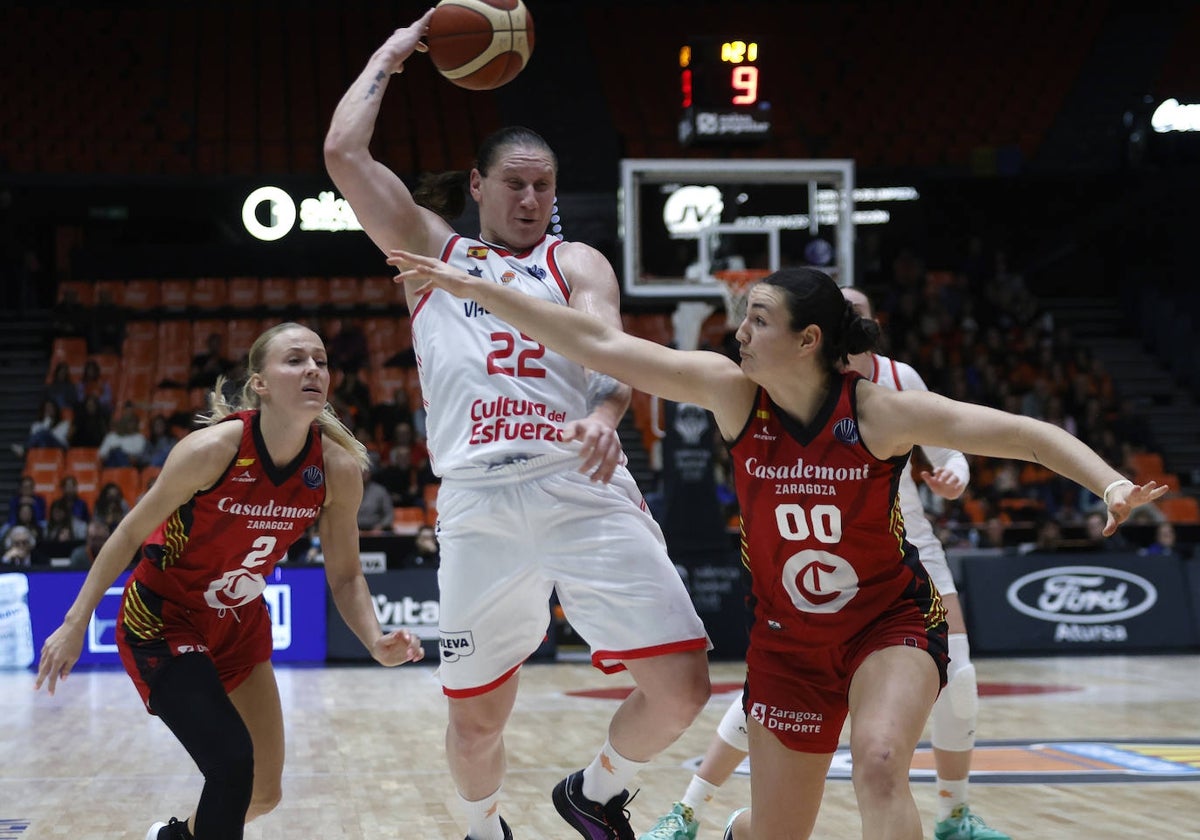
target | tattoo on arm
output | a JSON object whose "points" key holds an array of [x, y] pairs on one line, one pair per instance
{"points": [[600, 387], [374, 88]]}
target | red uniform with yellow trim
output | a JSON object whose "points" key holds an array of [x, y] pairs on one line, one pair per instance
{"points": [[832, 577], [199, 581]]}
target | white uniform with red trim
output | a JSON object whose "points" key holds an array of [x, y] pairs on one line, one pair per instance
{"points": [[902, 377], [516, 520]]}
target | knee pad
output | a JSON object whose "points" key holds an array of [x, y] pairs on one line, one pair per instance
{"points": [[732, 728], [956, 712]]}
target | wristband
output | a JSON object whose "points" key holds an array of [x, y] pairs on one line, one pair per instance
{"points": [[1113, 486]]}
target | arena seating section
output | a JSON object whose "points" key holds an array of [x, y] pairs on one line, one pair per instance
{"points": [[234, 102]]}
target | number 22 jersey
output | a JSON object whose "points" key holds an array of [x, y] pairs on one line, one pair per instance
{"points": [[493, 396]]}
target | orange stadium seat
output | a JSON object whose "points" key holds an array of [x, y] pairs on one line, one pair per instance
{"points": [[408, 520], [141, 294], [311, 292], [344, 291], [202, 328], [175, 293], [277, 292], [127, 478], [244, 292], [79, 291], [1146, 463], [209, 292], [45, 467], [112, 291], [69, 349], [1181, 510], [83, 462], [380, 291], [241, 335], [110, 367]]}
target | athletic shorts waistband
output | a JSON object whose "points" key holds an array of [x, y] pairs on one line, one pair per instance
{"points": [[514, 470]]}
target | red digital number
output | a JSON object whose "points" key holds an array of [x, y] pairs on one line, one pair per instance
{"points": [[745, 79], [685, 84]]}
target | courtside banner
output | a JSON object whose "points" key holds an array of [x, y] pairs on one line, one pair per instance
{"points": [[294, 595], [406, 599], [1077, 603]]}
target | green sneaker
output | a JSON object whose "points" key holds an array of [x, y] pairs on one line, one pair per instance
{"points": [[963, 825], [680, 824]]}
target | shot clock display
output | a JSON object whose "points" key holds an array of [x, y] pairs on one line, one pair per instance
{"points": [[720, 86]]}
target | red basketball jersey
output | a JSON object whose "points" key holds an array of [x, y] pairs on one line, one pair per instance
{"points": [[822, 533], [216, 551]]}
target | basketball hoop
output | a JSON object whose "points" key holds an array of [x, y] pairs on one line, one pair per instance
{"points": [[735, 288]]}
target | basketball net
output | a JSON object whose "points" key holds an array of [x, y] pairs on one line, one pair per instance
{"points": [[735, 289]]}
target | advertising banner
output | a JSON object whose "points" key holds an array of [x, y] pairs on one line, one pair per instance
{"points": [[294, 595], [1077, 603]]}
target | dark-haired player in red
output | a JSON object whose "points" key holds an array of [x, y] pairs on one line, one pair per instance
{"points": [[193, 631], [845, 618]]}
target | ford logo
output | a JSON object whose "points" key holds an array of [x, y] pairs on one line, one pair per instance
{"points": [[1082, 594]]}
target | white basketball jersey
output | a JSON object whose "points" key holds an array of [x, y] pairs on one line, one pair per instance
{"points": [[902, 377], [491, 395]]}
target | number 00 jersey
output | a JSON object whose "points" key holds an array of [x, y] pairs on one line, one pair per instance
{"points": [[215, 551], [491, 395], [822, 533]]}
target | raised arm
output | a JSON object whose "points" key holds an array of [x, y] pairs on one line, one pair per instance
{"points": [[379, 198], [195, 462], [707, 379]]}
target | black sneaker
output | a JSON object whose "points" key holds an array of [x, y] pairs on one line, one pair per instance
{"points": [[173, 829], [592, 820], [504, 825]]}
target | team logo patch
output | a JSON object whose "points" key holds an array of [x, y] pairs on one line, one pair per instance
{"points": [[313, 477], [455, 646], [536, 271], [507, 277], [846, 430], [477, 252]]}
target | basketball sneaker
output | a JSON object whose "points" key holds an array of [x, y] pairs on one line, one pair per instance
{"points": [[173, 829], [593, 820], [729, 825], [680, 824], [503, 825], [963, 825]]}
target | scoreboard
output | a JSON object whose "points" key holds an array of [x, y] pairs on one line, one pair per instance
{"points": [[721, 92]]}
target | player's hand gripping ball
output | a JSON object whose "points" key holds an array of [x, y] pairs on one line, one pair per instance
{"points": [[480, 44]]}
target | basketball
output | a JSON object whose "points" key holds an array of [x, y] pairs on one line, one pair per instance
{"points": [[480, 44]]}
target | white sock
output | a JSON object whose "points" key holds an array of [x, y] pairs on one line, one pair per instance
{"points": [[609, 774], [699, 794], [951, 794], [483, 817]]}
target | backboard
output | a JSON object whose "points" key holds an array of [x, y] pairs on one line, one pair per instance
{"points": [[681, 220]]}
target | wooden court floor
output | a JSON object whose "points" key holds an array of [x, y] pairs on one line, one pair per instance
{"points": [[365, 756]]}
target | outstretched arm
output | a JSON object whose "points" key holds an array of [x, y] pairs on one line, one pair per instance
{"points": [[891, 423], [382, 203], [710, 380]]}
